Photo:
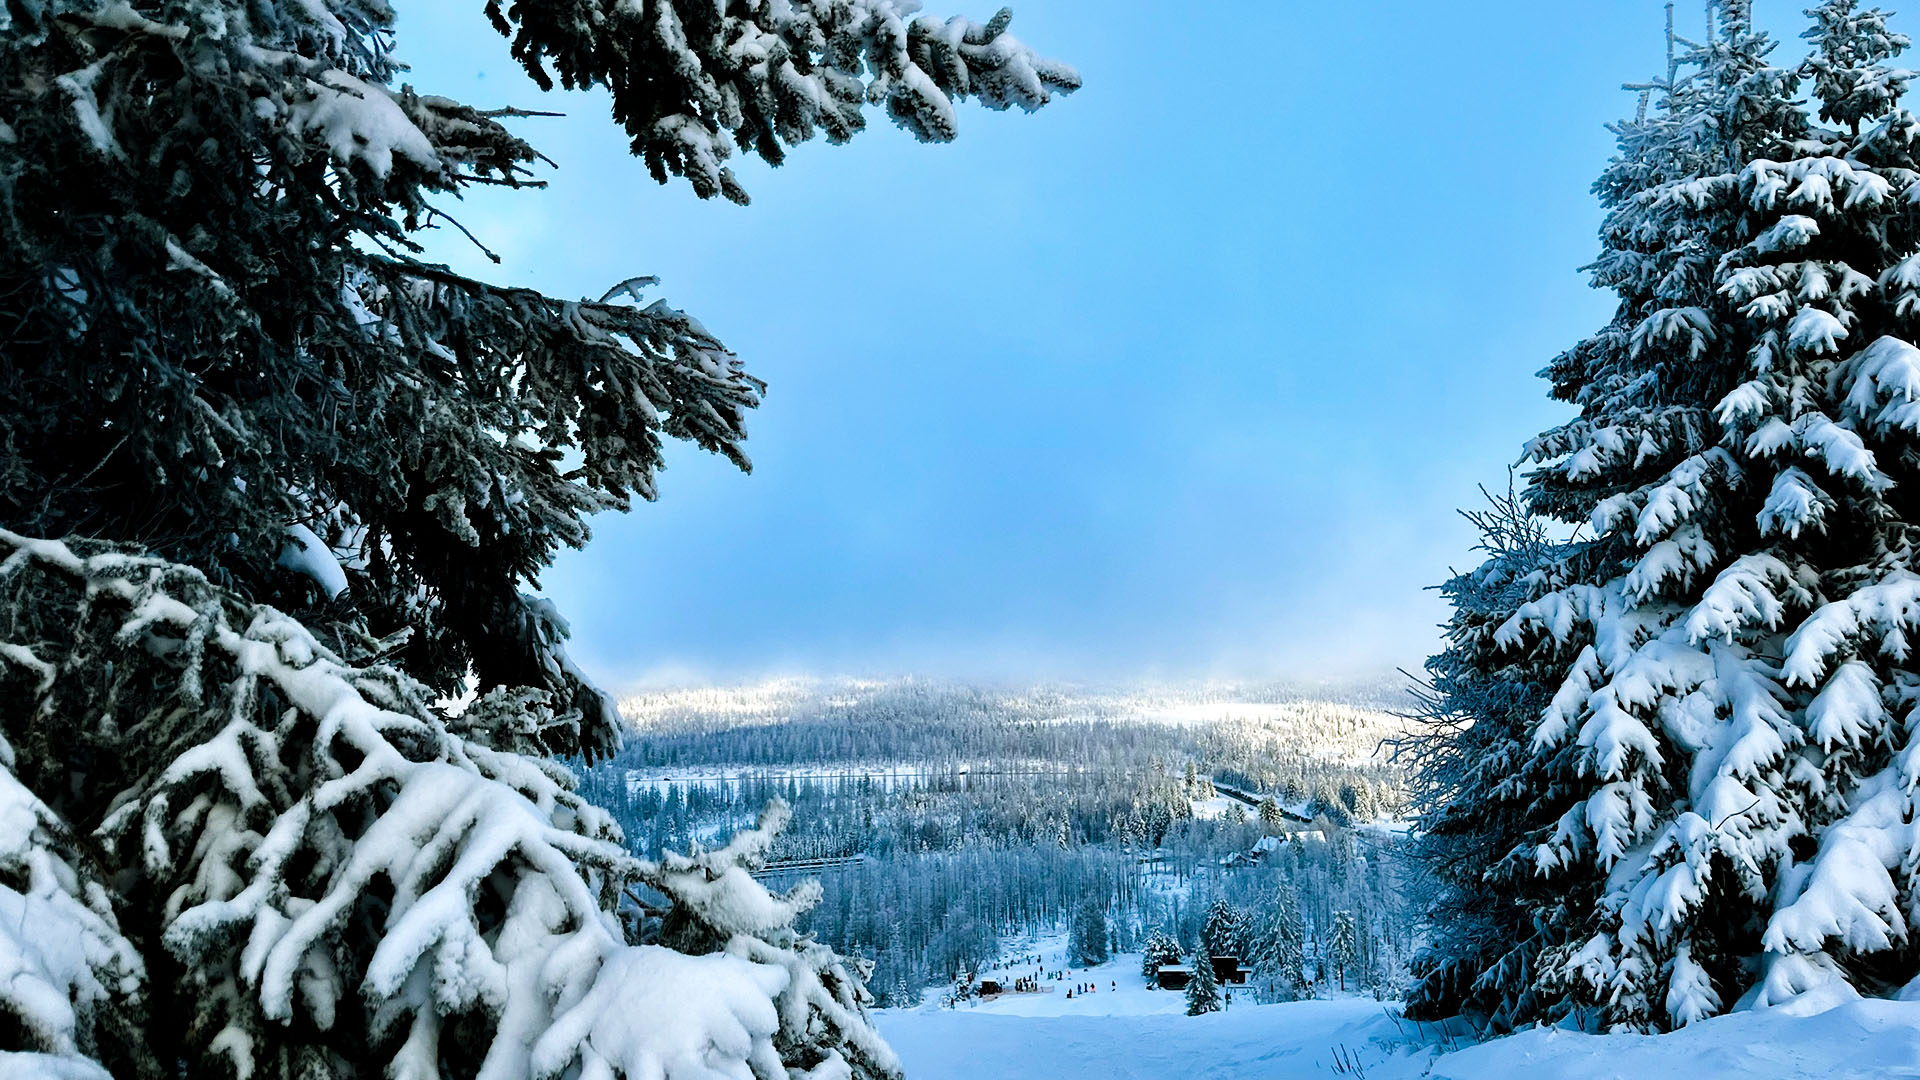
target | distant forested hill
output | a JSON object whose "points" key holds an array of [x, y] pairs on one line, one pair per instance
{"points": [[946, 819], [1249, 730]]}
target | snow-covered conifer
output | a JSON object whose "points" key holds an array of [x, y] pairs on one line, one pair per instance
{"points": [[340, 884], [1475, 774], [1225, 931], [1203, 990], [693, 82], [1343, 945], [1279, 951], [227, 350], [1271, 817], [74, 984], [1717, 786], [1090, 944], [1160, 950]]}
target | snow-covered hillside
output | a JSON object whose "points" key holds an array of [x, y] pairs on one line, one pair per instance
{"points": [[1124, 1031], [1333, 721]]}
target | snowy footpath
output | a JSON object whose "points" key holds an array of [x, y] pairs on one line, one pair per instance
{"points": [[1131, 1032]]}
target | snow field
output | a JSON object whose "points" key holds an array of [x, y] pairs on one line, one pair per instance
{"points": [[1133, 1032]]}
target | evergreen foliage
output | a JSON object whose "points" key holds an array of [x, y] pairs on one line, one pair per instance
{"points": [[1225, 932], [1272, 818], [1089, 943], [1203, 991], [901, 991], [81, 982], [1160, 950], [1343, 945], [305, 477], [690, 82], [332, 879], [224, 348], [1699, 716], [1475, 778], [1279, 952]]}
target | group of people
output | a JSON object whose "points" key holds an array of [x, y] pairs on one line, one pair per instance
{"points": [[1083, 989], [1030, 984]]}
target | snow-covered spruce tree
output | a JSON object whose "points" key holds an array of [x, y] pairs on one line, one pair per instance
{"points": [[1160, 950], [314, 474], [1279, 951], [1089, 944], [1343, 945], [75, 984], [1271, 817], [1225, 931], [1203, 990], [1728, 753]]}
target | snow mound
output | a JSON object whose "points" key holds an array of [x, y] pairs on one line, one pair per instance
{"points": [[1861, 1040]]}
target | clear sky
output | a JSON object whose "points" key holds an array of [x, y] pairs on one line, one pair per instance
{"points": [[1182, 376]]}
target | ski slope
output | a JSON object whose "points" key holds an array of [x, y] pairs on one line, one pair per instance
{"points": [[1133, 1033]]}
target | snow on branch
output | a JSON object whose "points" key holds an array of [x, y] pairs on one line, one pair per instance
{"points": [[337, 868], [66, 972], [1878, 616], [717, 902], [692, 81]]}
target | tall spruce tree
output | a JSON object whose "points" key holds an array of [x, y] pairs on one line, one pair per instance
{"points": [[303, 478], [1272, 819], [1225, 931], [1090, 943], [1203, 990], [1280, 949], [1343, 945], [1714, 802]]}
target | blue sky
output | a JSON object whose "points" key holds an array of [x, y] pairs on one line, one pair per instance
{"points": [[1183, 376]]}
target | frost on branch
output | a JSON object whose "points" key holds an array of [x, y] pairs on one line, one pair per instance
{"points": [[344, 884]]}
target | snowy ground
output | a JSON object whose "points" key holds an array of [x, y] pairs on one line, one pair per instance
{"points": [[1132, 1032]]}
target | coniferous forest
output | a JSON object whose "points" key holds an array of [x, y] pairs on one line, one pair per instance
{"points": [[959, 821]]}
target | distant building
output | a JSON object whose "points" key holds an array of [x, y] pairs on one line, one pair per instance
{"points": [[989, 986], [1262, 848], [1226, 971]]}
